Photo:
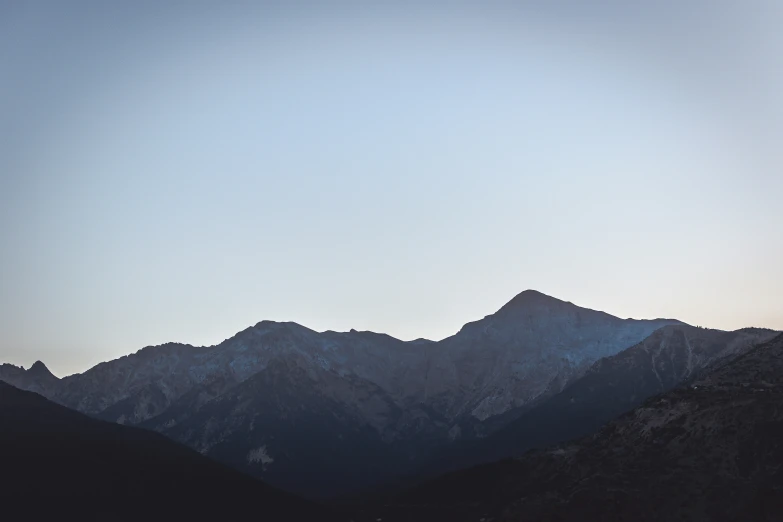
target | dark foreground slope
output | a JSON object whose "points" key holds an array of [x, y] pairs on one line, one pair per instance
{"points": [[62, 464], [711, 451]]}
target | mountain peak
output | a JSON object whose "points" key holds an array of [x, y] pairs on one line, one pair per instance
{"points": [[39, 369], [530, 296]]}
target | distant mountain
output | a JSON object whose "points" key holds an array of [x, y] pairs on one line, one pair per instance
{"points": [[59, 464], [708, 451], [670, 357], [530, 349], [37, 378], [404, 400]]}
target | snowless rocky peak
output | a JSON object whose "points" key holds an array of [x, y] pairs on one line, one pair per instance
{"points": [[37, 378], [531, 306], [524, 309], [39, 370], [533, 347], [531, 297]]}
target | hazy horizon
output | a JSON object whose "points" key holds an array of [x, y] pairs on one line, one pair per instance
{"points": [[180, 171]]}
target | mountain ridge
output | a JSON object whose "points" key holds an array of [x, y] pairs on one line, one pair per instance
{"points": [[671, 356], [706, 451], [425, 394]]}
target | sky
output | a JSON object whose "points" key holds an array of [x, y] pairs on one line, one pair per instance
{"points": [[179, 171]]}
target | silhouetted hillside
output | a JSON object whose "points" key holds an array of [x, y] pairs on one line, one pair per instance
{"points": [[61, 464]]}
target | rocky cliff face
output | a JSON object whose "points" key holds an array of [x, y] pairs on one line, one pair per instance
{"points": [[409, 396]]}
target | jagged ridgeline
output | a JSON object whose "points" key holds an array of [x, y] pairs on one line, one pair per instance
{"points": [[329, 413]]}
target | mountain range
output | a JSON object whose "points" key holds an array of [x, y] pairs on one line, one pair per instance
{"points": [[326, 414], [672, 356], [711, 450]]}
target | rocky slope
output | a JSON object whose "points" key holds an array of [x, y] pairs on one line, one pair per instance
{"points": [[37, 378], [708, 451], [294, 430], [671, 356], [58, 464], [528, 350], [410, 396]]}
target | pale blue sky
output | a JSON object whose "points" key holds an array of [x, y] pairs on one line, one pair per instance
{"points": [[178, 171]]}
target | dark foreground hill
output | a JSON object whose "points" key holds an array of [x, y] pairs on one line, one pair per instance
{"points": [[59, 464], [709, 451]]}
